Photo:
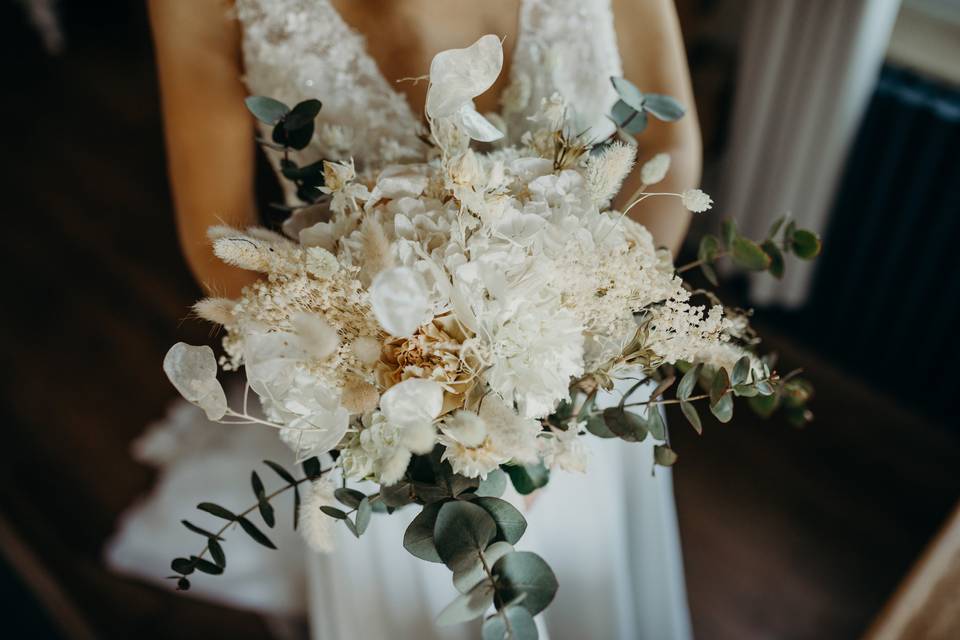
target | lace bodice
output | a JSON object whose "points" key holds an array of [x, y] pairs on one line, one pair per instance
{"points": [[299, 49]]}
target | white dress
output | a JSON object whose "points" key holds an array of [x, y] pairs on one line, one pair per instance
{"points": [[610, 535]]}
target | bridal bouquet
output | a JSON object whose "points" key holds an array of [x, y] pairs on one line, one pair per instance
{"points": [[439, 328]]}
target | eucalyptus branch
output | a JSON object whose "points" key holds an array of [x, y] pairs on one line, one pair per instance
{"points": [[256, 505], [697, 263], [498, 599]]}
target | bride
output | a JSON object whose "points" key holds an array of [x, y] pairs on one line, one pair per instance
{"points": [[612, 535]]}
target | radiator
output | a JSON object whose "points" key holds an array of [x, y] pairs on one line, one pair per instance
{"points": [[886, 295]]}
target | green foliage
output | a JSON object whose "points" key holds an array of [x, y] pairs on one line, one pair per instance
{"points": [[267, 110], [462, 530], [468, 606], [510, 523], [664, 456], [466, 579], [418, 538], [625, 424], [527, 478], [513, 622], [630, 111], [493, 485], [523, 574]]}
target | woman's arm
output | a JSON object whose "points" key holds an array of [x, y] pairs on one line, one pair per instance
{"points": [[209, 134], [652, 50]]}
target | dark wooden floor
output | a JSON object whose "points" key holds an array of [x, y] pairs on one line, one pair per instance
{"points": [[787, 534]]}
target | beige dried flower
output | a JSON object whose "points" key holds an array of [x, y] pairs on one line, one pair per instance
{"points": [[606, 171], [433, 352]]}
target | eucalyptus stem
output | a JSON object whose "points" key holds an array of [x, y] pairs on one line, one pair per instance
{"points": [[697, 263], [496, 595], [250, 510]]}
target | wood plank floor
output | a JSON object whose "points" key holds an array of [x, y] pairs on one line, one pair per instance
{"points": [[787, 534]]}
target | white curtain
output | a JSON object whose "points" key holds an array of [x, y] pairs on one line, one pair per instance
{"points": [[807, 70]]}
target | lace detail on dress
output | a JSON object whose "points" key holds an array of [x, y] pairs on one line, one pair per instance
{"points": [[299, 49], [567, 47]]}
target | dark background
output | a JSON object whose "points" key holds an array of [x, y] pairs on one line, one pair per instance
{"points": [[787, 533]]}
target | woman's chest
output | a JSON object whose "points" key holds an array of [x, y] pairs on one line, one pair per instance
{"points": [[402, 36]]}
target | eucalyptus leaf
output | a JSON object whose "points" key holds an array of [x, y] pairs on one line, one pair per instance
{"points": [[364, 511], [728, 231], [719, 386], [741, 370], [206, 566], [524, 573], [628, 92], [183, 566], [764, 406], [352, 527], [280, 471], [690, 413], [709, 247], [663, 107], [527, 478], [745, 390], [466, 579], [467, 606], [183, 584], [805, 244], [397, 495], [661, 388], [302, 115], [628, 119], [251, 530], [510, 523], [625, 424], [776, 226], [350, 497], [777, 265], [198, 530], [216, 552], [598, 427], [461, 532], [749, 255], [689, 381], [418, 538], [655, 423], [266, 512], [333, 512], [217, 510], [510, 623], [312, 468], [710, 274], [266, 110], [722, 409], [493, 485], [664, 456]]}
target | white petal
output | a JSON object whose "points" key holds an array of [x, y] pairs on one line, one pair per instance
{"points": [[317, 337], [270, 360], [413, 401], [400, 300], [476, 126], [193, 371], [459, 75]]}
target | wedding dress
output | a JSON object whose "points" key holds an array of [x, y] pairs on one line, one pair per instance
{"points": [[610, 535]]}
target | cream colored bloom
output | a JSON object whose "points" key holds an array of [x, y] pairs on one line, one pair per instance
{"points": [[696, 200], [655, 169], [316, 527]]}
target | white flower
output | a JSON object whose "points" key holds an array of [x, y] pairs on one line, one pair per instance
{"points": [[400, 300], [465, 427], [314, 418], [655, 169], [193, 371], [565, 450], [316, 527], [412, 405], [696, 200], [510, 435], [318, 338], [457, 76], [606, 171]]}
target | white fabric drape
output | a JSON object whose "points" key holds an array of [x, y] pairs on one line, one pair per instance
{"points": [[807, 71]]}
